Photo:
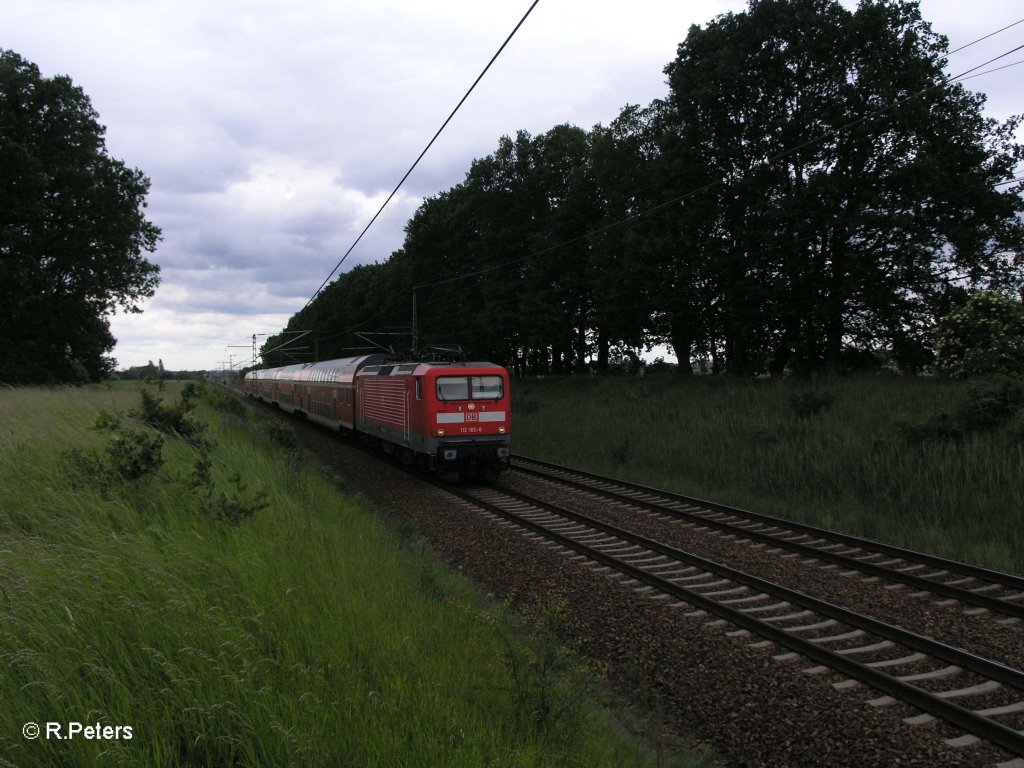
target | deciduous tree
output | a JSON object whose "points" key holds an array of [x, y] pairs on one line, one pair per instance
{"points": [[72, 231], [846, 181]]}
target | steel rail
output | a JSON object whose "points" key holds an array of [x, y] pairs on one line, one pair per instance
{"points": [[988, 602], [980, 665], [978, 725]]}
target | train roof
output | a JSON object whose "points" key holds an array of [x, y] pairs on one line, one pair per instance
{"points": [[346, 368], [403, 368], [340, 370]]}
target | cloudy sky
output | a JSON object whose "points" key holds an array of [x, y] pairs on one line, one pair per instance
{"points": [[272, 132]]}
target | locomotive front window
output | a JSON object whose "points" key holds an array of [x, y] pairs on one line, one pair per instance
{"points": [[467, 387], [452, 388], [486, 387]]}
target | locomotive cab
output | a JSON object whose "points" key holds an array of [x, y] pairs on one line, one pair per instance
{"points": [[471, 421]]}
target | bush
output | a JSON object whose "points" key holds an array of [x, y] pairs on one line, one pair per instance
{"points": [[989, 405], [992, 403], [135, 455], [224, 401], [282, 435], [130, 456], [173, 419], [237, 507], [985, 336], [107, 421]]}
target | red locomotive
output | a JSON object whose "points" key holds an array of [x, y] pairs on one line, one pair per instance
{"points": [[451, 418]]}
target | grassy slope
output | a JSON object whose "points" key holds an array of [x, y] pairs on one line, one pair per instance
{"points": [[308, 634], [851, 467]]}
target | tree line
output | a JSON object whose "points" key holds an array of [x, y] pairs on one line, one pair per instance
{"points": [[812, 194]]}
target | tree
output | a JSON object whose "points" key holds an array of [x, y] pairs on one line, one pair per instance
{"points": [[475, 249], [841, 184], [72, 231], [624, 277]]}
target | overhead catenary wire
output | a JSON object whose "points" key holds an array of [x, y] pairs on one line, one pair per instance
{"points": [[985, 37], [424, 152]]}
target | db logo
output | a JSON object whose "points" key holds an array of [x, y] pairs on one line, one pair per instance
{"points": [[472, 417]]}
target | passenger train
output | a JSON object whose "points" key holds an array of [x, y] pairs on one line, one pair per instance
{"points": [[451, 418]]}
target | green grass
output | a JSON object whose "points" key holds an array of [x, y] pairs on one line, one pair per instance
{"points": [[312, 633], [873, 463]]}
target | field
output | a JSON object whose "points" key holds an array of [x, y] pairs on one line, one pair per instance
{"points": [[924, 463], [196, 580]]}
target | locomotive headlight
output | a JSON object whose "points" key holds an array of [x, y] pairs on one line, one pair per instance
{"points": [[501, 430], [440, 433]]}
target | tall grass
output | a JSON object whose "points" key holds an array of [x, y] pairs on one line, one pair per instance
{"points": [[876, 461], [309, 634]]}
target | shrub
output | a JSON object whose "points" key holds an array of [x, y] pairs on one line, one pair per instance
{"points": [[544, 705], [130, 456], [174, 419], [1016, 427], [989, 405], [992, 403], [237, 507], [86, 469], [282, 435], [986, 335], [224, 401], [229, 509], [621, 451], [107, 421], [135, 455]]}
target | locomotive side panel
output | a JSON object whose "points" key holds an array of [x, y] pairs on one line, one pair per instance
{"points": [[384, 408]]}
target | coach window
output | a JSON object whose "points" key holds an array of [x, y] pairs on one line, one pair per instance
{"points": [[486, 387]]}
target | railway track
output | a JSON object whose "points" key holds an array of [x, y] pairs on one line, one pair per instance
{"points": [[918, 680], [981, 697], [978, 589]]}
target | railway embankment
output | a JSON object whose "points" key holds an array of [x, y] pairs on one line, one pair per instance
{"points": [[196, 589]]}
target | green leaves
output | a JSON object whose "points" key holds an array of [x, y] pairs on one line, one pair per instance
{"points": [[72, 230], [849, 181], [984, 336]]}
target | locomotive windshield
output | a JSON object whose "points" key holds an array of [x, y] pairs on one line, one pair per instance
{"points": [[485, 387], [469, 387], [452, 388]]}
